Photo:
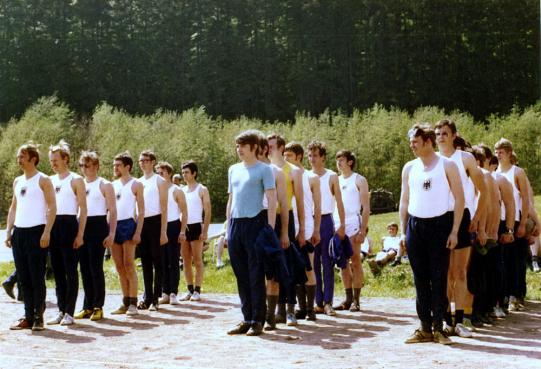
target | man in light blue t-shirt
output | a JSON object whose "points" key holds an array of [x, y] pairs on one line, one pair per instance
{"points": [[249, 181]]}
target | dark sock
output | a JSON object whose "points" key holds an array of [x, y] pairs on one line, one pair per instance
{"points": [[132, 301], [448, 318], [301, 296], [310, 296], [281, 310], [190, 288], [126, 301], [271, 305], [198, 289], [291, 308], [459, 316], [357, 295], [349, 295]]}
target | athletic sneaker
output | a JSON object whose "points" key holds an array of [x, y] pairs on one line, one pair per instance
{"points": [[311, 315], [164, 299], [535, 266], [291, 320], [300, 314], [38, 324], [122, 309], [329, 310], [241, 328], [97, 314], [354, 307], [186, 297], [57, 319], [8, 287], [83, 314], [462, 331], [21, 324], [467, 323], [255, 329], [498, 312], [319, 310], [420, 336], [173, 299], [440, 337], [132, 310], [344, 305], [153, 307], [196, 296], [67, 320], [449, 330], [219, 264], [513, 304]]}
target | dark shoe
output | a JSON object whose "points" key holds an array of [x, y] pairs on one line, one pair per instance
{"points": [[300, 314], [311, 315], [142, 305], [271, 323], [396, 262], [441, 337], [279, 318], [420, 336], [38, 324], [241, 328], [345, 305], [255, 330], [8, 287], [21, 324], [319, 310]]}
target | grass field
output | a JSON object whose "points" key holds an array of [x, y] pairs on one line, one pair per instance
{"points": [[393, 282]]}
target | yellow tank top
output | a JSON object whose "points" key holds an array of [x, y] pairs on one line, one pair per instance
{"points": [[289, 186]]}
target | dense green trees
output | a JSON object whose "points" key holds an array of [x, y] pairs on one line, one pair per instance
{"points": [[269, 59], [378, 136]]}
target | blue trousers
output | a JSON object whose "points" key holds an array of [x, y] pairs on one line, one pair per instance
{"points": [[426, 242], [325, 285], [247, 266]]}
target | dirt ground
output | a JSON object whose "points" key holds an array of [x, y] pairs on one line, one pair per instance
{"points": [[192, 335]]}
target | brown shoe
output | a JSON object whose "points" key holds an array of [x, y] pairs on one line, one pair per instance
{"points": [[255, 330], [420, 336], [241, 328], [440, 337], [319, 310], [344, 305], [21, 324]]}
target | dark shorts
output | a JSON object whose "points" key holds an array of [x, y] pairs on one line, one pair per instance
{"points": [[305, 251], [125, 230], [193, 231], [464, 238]]}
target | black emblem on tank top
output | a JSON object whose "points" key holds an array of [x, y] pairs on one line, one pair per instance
{"points": [[427, 184], [118, 196], [57, 189], [87, 192], [23, 191]]}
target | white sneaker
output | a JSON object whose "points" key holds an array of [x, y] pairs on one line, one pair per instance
{"points": [[449, 330], [196, 296], [173, 299], [186, 297], [535, 266], [67, 320], [462, 331], [132, 310], [153, 307], [57, 319], [164, 299], [219, 264], [498, 312], [513, 304]]}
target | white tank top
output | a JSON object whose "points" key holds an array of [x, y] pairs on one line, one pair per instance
{"points": [[510, 176], [308, 206], [351, 197], [390, 242], [125, 199], [66, 201], [173, 212], [95, 201], [327, 198], [194, 204], [152, 195], [429, 191], [467, 185], [31, 205]]}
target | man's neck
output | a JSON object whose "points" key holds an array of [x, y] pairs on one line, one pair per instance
{"points": [[346, 173], [504, 166], [63, 173], [447, 151], [91, 178], [191, 184], [299, 165], [249, 161], [319, 170], [428, 158], [30, 172], [148, 174], [278, 161], [125, 178]]}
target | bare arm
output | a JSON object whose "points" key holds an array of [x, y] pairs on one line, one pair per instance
{"points": [[109, 193], [228, 210], [522, 184], [180, 198], [281, 196], [163, 192], [271, 211], [50, 199], [205, 196], [335, 188], [315, 186], [299, 200], [11, 216], [138, 191], [479, 220], [79, 187], [404, 199], [506, 190], [362, 185], [453, 177]]}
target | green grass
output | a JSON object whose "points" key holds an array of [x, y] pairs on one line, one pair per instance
{"points": [[393, 282]]}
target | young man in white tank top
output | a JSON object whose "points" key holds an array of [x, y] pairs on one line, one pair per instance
{"points": [[129, 194], [99, 235], [515, 256], [154, 233], [176, 234], [197, 220], [330, 197], [430, 227], [356, 199], [306, 293], [30, 219], [473, 221], [67, 233]]}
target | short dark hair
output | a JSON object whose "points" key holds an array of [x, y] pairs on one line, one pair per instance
{"points": [[263, 144], [425, 131], [249, 137], [479, 154], [192, 166], [31, 149], [125, 158], [280, 141], [446, 122], [348, 155], [486, 150], [165, 166], [319, 146], [295, 148], [493, 161], [149, 154], [461, 144]]}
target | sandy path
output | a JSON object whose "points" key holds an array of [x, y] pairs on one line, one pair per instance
{"points": [[193, 335]]}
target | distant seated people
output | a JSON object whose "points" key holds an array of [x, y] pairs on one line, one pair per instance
{"points": [[367, 246], [177, 179], [390, 248]]}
